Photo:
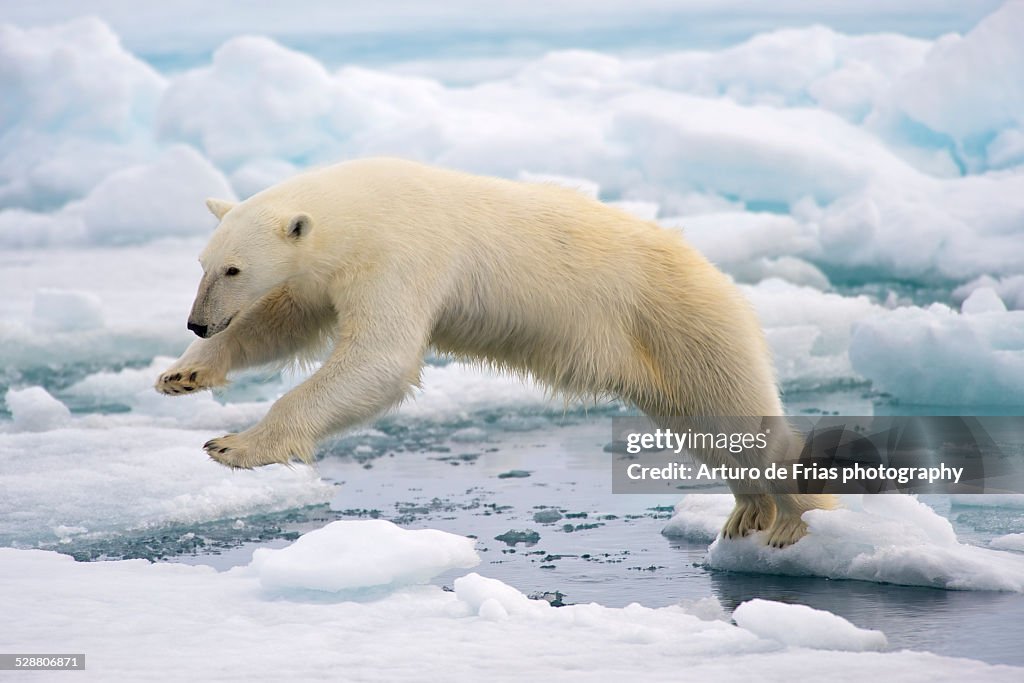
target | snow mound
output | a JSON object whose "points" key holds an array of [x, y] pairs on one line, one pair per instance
{"points": [[76, 107], [436, 630], [60, 310], [809, 332], [138, 203], [947, 95], [149, 476], [1008, 542], [980, 353], [891, 539], [35, 410], [1010, 289], [803, 626], [699, 517], [349, 555]]}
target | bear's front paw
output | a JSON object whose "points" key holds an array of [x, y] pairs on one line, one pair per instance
{"points": [[187, 380], [246, 451]]}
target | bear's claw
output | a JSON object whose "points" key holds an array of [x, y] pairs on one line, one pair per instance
{"points": [[187, 381], [248, 450]]}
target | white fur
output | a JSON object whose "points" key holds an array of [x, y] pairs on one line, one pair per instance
{"points": [[394, 257]]}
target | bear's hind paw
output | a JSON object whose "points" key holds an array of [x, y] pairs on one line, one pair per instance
{"points": [[752, 513], [786, 531]]}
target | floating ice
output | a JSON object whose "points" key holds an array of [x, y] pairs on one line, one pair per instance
{"points": [[76, 107], [353, 554], [891, 539], [496, 624], [258, 100], [803, 626], [970, 87], [809, 332], [734, 125], [982, 300], [935, 356], [61, 310], [35, 410], [1008, 542], [699, 517], [117, 473], [1010, 290]]}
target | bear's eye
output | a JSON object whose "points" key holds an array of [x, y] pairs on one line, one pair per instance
{"points": [[232, 271]]}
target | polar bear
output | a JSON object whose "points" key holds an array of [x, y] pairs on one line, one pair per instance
{"points": [[379, 260]]}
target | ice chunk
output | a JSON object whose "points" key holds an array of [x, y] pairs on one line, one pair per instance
{"points": [[892, 539], [481, 594], [260, 174], [436, 629], [150, 473], [970, 87], [983, 300], [259, 100], [62, 310], [76, 106], [35, 410], [981, 356], [1010, 289], [803, 626], [1008, 542], [162, 199], [353, 554], [809, 332], [699, 517]]}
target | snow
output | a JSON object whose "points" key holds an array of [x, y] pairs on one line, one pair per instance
{"points": [[349, 555], [124, 476], [803, 120], [883, 538], [803, 626], [1008, 542], [76, 107], [484, 629], [858, 169], [700, 517], [946, 94], [901, 350], [1010, 289], [810, 332], [35, 410], [61, 310]]}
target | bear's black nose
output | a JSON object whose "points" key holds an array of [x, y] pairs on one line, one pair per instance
{"points": [[198, 329]]}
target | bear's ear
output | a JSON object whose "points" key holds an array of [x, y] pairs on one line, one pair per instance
{"points": [[299, 226], [219, 207]]}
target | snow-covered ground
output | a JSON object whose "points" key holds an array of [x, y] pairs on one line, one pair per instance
{"points": [[279, 616], [857, 167]]}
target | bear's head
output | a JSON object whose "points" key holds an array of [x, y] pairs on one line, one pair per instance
{"points": [[252, 251]]}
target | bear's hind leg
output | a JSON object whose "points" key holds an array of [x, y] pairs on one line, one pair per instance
{"points": [[788, 527], [753, 512]]}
